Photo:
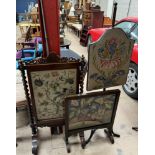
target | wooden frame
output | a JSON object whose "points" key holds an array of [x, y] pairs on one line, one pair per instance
{"points": [[51, 63], [36, 74], [81, 113]]}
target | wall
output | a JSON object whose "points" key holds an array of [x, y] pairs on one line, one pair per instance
{"points": [[133, 11], [73, 1], [110, 8], [125, 8], [103, 4], [122, 9], [22, 5]]}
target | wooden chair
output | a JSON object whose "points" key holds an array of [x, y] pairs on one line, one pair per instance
{"points": [[48, 81]]}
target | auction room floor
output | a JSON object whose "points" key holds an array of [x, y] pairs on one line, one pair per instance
{"points": [[126, 117]]}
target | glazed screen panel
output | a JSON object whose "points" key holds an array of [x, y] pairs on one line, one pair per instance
{"points": [[90, 111]]}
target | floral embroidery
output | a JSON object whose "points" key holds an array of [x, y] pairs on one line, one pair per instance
{"points": [[109, 60], [49, 89], [38, 82], [40, 94], [90, 111]]}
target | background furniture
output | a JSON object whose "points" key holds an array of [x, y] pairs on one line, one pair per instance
{"points": [[107, 22], [29, 50], [77, 28], [91, 19], [27, 26], [62, 27], [23, 44], [84, 36], [66, 43]]}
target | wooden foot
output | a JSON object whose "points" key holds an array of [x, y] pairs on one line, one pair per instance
{"points": [[83, 143], [67, 146], [110, 136], [115, 135], [110, 133], [34, 145], [135, 128]]}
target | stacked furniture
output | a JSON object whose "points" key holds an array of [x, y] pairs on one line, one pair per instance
{"points": [[72, 20], [29, 50], [84, 36], [107, 22], [77, 28], [91, 19]]}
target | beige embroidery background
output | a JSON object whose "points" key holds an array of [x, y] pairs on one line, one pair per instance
{"points": [[90, 111], [49, 89], [109, 60]]}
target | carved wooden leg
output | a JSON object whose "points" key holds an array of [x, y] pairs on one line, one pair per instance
{"points": [[82, 139]]}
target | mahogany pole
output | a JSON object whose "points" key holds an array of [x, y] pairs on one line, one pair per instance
{"points": [[44, 27], [49, 23], [114, 14]]}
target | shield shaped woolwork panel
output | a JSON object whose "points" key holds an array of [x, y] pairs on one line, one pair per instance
{"points": [[48, 87], [90, 110], [109, 59]]}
